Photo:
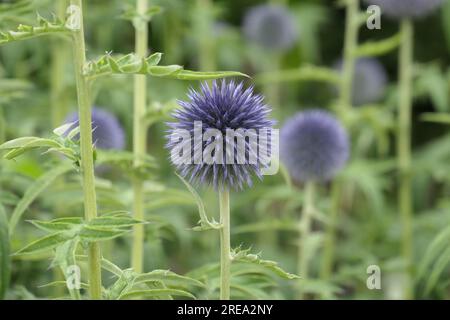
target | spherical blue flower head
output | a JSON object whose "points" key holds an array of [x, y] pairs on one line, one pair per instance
{"points": [[313, 146], [223, 106], [369, 82], [271, 26], [107, 132], [399, 9]]}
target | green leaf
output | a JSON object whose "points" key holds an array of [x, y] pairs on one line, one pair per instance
{"points": [[24, 32], [92, 234], [5, 261], [131, 64], [168, 278], [57, 225], [378, 48], [198, 75], [156, 293], [33, 191], [244, 256], [62, 130], [45, 243], [22, 145], [437, 269]]}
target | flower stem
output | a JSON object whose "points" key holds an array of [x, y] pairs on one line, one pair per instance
{"points": [[206, 40], [139, 138], [59, 59], [304, 228], [328, 250], [350, 43], [404, 147], [225, 247], [87, 161], [2, 125]]}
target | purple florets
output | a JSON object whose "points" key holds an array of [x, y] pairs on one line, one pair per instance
{"points": [[369, 82], [271, 26], [221, 107], [107, 131], [313, 146], [406, 8]]}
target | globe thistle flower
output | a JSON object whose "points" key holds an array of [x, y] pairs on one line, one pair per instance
{"points": [[221, 107], [271, 26], [369, 81], [107, 132], [313, 146], [399, 9]]}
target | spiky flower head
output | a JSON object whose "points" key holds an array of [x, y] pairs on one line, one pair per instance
{"points": [[107, 132], [369, 81], [227, 109], [399, 9], [313, 146], [271, 26]]}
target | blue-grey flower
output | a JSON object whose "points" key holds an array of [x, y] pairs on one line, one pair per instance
{"points": [[224, 108], [107, 132], [313, 146], [399, 9], [369, 82], [271, 26]]}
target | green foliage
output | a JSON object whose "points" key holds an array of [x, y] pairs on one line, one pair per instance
{"points": [[62, 230], [24, 32], [5, 263], [131, 64]]}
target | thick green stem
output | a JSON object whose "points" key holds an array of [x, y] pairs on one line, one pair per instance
{"points": [[328, 250], [225, 246], [348, 64], [87, 160], [2, 125], [59, 59], [206, 43], [139, 138], [404, 147], [304, 228]]}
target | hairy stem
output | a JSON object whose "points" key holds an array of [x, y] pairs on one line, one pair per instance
{"points": [[304, 228], [404, 147], [139, 138], [348, 63], [225, 247], [87, 161]]}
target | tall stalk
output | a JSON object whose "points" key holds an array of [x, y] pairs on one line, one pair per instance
{"points": [[139, 137], [2, 125], [330, 236], [348, 63], [345, 102], [304, 228], [225, 246], [404, 147], [87, 162], [206, 43], [59, 53]]}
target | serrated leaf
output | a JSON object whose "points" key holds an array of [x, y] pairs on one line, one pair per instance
{"points": [[45, 243], [56, 225], [92, 234], [33, 191], [199, 75], [5, 260], [154, 59], [168, 278], [245, 257], [156, 293]]}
